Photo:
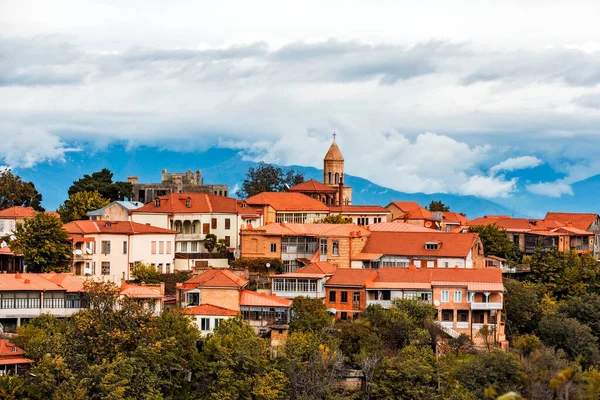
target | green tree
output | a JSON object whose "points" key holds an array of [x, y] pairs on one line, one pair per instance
{"points": [[11, 387], [146, 273], [335, 219], [496, 242], [585, 309], [523, 307], [541, 366], [210, 242], [438, 206], [460, 344], [79, 204], [576, 339], [102, 182], [16, 192], [309, 315], [221, 246], [496, 369], [43, 242], [268, 178]]}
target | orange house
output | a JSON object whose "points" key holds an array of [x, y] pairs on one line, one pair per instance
{"points": [[345, 294]]}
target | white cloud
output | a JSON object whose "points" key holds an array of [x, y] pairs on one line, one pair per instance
{"points": [[25, 147], [489, 186], [550, 189], [516, 163]]}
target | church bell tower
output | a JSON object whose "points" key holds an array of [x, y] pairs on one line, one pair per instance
{"points": [[333, 173]]}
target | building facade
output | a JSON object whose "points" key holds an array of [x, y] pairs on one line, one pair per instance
{"points": [[115, 211], [174, 182]]}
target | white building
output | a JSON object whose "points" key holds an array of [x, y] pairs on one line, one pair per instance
{"points": [[207, 317], [195, 215], [12, 216], [109, 250]]}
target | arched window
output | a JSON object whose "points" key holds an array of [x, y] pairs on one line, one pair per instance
{"points": [[337, 178], [329, 179]]}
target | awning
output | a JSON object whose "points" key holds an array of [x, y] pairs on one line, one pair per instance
{"points": [[83, 239], [13, 361], [332, 310], [367, 257]]}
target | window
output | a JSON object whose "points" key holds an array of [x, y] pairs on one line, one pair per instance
{"points": [[227, 223], [188, 203], [105, 268], [417, 263], [184, 246], [218, 322], [213, 223], [205, 229], [1, 225], [194, 247], [124, 247], [356, 297], [445, 296], [228, 241], [193, 299], [11, 226], [332, 296], [106, 246], [343, 316], [169, 247], [516, 240], [323, 247], [335, 248], [157, 203], [447, 315], [344, 297], [153, 247], [446, 264], [273, 247], [458, 296], [430, 264], [426, 296], [161, 247], [205, 324], [431, 246], [329, 174]]}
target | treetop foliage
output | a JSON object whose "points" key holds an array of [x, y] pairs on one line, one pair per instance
{"points": [[496, 242], [102, 182], [438, 206], [79, 204], [16, 192], [335, 219], [268, 178]]}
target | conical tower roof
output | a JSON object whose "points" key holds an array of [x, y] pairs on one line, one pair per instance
{"points": [[334, 153]]}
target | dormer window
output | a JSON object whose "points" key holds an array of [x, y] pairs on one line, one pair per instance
{"points": [[243, 205], [188, 203], [432, 245], [157, 203], [14, 349], [108, 224]]}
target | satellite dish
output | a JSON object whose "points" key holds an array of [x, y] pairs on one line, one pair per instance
{"points": [[3, 244], [78, 252], [13, 237], [436, 303], [268, 265], [428, 224]]}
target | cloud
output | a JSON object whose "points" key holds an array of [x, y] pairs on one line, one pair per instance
{"points": [[39, 146], [489, 186], [591, 100], [550, 189], [516, 163]]}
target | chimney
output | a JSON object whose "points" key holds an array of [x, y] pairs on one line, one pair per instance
{"points": [[282, 223], [412, 267], [27, 281], [18, 276]]}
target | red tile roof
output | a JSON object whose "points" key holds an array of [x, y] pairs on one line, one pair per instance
{"points": [[250, 298], [209, 309], [18, 212], [329, 230], [413, 243], [20, 282], [454, 275], [406, 206], [358, 210], [222, 278], [114, 227], [199, 203], [287, 201], [352, 277], [6, 250], [313, 186], [397, 226], [451, 217], [334, 153], [6, 349], [577, 220], [321, 267], [13, 361], [68, 281], [136, 291]]}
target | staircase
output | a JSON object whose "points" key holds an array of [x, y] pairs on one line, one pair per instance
{"points": [[449, 331]]}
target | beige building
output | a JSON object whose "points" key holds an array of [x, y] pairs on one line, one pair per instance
{"points": [[195, 215], [115, 211], [109, 250]]}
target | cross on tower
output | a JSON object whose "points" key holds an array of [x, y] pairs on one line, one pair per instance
{"points": [[334, 135]]}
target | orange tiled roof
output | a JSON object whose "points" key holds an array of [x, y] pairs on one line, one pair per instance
{"points": [[406, 206], [358, 209], [250, 298], [334, 153], [313, 186], [329, 230], [6, 349], [20, 282], [13, 361], [351, 277], [577, 220], [439, 275], [199, 203], [413, 243], [6, 250], [114, 227], [321, 267], [287, 201], [22, 212], [397, 226], [209, 309], [141, 291], [222, 278], [67, 281], [451, 217]]}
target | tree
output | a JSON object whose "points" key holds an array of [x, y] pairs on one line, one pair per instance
{"points": [[79, 204], [43, 242], [11, 387], [496, 242], [221, 246], [102, 182], [585, 309], [462, 343], [501, 371], [146, 273], [15, 192], [523, 308], [210, 242], [438, 206], [268, 178], [309, 315], [335, 219], [576, 339]]}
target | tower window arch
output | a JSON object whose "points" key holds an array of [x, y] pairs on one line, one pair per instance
{"points": [[337, 178], [330, 177]]}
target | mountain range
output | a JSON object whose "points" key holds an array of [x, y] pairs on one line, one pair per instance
{"points": [[226, 166]]}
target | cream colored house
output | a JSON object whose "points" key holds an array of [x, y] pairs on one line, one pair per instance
{"points": [[115, 211], [195, 215], [109, 250]]}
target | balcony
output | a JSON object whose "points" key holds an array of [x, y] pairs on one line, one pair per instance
{"points": [[190, 236], [447, 324], [486, 306], [382, 303], [82, 257], [479, 326], [462, 325], [293, 294]]}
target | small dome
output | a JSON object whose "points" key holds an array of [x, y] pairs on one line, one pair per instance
{"points": [[334, 153]]}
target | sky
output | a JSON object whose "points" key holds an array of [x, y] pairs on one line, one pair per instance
{"points": [[485, 98]]}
